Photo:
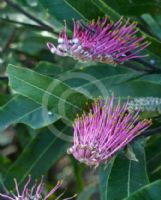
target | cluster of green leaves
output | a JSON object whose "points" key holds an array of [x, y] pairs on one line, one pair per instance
{"points": [[42, 94]]}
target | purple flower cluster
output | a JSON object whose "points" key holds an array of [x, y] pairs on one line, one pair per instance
{"points": [[34, 193], [100, 41], [105, 130]]}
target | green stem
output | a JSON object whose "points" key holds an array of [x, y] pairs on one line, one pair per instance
{"points": [[30, 16], [78, 172]]}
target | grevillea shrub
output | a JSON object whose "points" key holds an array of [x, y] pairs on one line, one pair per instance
{"points": [[80, 97]]}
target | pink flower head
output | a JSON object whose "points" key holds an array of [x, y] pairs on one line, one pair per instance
{"points": [[34, 193], [100, 41], [104, 131]]}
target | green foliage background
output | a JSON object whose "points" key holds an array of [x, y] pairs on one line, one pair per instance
{"points": [[35, 134]]}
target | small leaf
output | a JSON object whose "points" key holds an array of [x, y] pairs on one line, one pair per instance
{"points": [[129, 153]]}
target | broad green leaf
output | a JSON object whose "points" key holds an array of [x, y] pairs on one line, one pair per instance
{"points": [[83, 7], [103, 80], [52, 69], [20, 109], [153, 155], [151, 191], [104, 174], [52, 93], [137, 87], [135, 7], [61, 10], [48, 69], [126, 176], [104, 7], [38, 156]]}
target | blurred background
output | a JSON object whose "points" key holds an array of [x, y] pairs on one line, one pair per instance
{"points": [[26, 143]]}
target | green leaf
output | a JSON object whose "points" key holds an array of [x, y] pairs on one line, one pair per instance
{"points": [[52, 69], [153, 154], [153, 26], [48, 68], [4, 164], [4, 98], [135, 7], [60, 9], [20, 109], [104, 174], [149, 192], [103, 80], [86, 76], [38, 156], [52, 93], [104, 7], [136, 87], [153, 50], [83, 8], [126, 176]]}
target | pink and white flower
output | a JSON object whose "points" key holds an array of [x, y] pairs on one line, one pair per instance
{"points": [[35, 192], [100, 41], [104, 131]]}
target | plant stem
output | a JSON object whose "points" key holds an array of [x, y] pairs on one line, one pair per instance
{"points": [[32, 26], [30, 16], [78, 172]]}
